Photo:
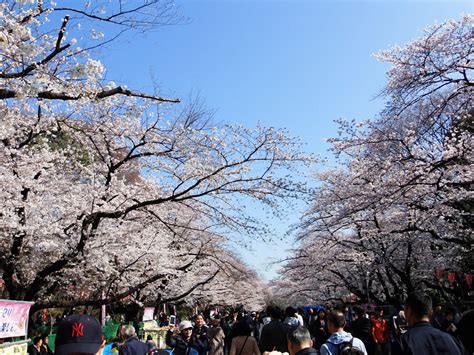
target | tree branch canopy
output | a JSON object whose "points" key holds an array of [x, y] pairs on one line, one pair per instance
{"points": [[119, 90], [399, 203], [115, 192]]}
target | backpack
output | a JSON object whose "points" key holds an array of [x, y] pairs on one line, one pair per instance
{"points": [[346, 348]]}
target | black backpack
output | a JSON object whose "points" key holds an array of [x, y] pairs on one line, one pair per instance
{"points": [[346, 348]]}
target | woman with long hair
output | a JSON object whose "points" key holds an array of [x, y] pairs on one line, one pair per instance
{"points": [[243, 342]]}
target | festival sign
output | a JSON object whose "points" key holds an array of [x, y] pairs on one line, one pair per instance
{"points": [[18, 348], [148, 313], [14, 318]]}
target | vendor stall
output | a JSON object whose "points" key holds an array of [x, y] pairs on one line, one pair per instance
{"points": [[157, 333]]}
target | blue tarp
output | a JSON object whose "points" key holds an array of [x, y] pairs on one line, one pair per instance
{"points": [[107, 349], [317, 308]]}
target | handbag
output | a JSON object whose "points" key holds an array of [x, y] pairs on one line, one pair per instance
{"points": [[243, 346]]}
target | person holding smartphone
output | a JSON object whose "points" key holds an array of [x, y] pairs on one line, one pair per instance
{"points": [[184, 343]]}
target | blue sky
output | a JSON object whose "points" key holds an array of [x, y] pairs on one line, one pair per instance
{"points": [[297, 64]]}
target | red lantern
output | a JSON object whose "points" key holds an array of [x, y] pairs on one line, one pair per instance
{"points": [[451, 277], [468, 279]]}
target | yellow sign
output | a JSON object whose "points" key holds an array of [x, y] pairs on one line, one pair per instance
{"points": [[14, 348]]}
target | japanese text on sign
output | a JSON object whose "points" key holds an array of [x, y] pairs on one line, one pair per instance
{"points": [[13, 318]]}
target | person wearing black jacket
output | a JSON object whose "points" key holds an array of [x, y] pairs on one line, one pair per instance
{"points": [[184, 343], [448, 325], [465, 331], [273, 336], [200, 333], [35, 348], [422, 338], [45, 349], [227, 332], [320, 329], [132, 345], [362, 328], [299, 342]]}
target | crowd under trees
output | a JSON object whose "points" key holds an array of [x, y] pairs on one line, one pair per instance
{"points": [[110, 194]]}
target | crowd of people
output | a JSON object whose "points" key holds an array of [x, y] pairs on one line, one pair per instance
{"points": [[40, 346], [416, 330]]}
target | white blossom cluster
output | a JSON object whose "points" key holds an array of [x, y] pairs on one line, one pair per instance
{"points": [[399, 203], [107, 194]]}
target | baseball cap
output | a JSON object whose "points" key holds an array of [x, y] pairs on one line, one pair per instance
{"points": [[185, 325], [78, 333]]}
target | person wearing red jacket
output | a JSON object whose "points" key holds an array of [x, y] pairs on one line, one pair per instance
{"points": [[380, 333]]}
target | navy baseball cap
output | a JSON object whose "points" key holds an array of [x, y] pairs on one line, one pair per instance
{"points": [[78, 333]]}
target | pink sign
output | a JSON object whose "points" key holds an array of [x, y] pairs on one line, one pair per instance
{"points": [[14, 318], [148, 313]]}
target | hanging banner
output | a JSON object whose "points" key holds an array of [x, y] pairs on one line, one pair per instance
{"points": [[14, 318], [148, 313]]}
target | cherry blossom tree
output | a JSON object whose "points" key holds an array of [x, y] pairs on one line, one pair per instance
{"points": [[115, 192], [400, 202], [236, 285]]}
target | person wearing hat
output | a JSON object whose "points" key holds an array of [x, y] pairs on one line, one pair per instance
{"points": [[79, 333], [184, 343]]}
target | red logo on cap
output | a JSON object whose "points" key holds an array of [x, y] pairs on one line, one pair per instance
{"points": [[77, 330]]}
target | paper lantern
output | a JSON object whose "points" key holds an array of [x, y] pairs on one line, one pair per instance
{"points": [[451, 277], [468, 279]]}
